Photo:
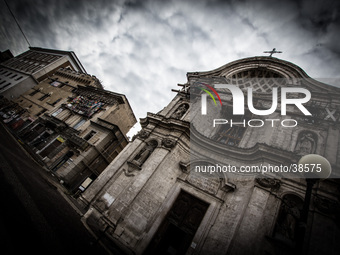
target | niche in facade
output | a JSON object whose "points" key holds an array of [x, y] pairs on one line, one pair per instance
{"points": [[306, 143], [181, 110], [139, 159]]}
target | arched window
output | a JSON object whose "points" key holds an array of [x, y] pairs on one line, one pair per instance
{"points": [[231, 133], [260, 79], [33, 92]]}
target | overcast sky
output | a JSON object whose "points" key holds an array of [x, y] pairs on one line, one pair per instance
{"points": [[144, 48]]}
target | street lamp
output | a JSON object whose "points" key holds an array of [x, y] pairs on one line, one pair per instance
{"points": [[316, 168]]}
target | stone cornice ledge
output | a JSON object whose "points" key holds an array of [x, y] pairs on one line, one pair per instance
{"points": [[247, 155], [166, 123]]}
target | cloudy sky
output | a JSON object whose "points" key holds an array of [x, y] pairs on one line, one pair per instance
{"points": [[144, 48]]}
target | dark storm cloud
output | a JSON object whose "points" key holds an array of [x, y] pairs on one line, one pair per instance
{"points": [[43, 20], [144, 48], [318, 18]]}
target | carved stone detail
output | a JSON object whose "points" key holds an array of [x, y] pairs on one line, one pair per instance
{"points": [[132, 168], [261, 79], [269, 183], [181, 110], [137, 162], [227, 186], [96, 222], [168, 143], [143, 134], [185, 167], [306, 143], [101, 205]]}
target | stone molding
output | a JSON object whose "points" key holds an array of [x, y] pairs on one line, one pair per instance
{"points": [[270, 183], [168, 143], [143, 134]]}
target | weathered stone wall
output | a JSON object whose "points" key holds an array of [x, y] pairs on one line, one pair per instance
{"points": [[130, 199], [121, 116]]}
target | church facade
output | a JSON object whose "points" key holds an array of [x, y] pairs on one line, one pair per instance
{"points": [[157, 196]]}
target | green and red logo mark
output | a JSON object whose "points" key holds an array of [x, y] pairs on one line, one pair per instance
{"points": [[209, 93]]}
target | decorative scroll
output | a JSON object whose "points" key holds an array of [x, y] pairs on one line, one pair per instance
{"points": [[269, 183], [143, 134], [168, 143]]}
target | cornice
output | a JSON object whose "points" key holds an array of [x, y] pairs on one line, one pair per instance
{"points": [[252, 62], [257, 153], [166, 123], [101, 94], [254, 154], [286, 69]]}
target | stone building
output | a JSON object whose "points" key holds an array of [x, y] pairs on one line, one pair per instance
{"points": [[72, 126], [21, 73], [152, 200]]}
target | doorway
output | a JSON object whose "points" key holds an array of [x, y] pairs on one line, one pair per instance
{"points": [[176, 232]]}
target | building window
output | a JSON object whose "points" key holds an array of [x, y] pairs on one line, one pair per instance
{"points": [[85, 106], [231, 134], [62, 160], [90, 135], [20, 77], [39, 56], [52, 147], [34, 92], [44, 97], [62, 84], [6, 85], [79, 123], [85, 184], [56, 101], [57, 112], [55, 83]]}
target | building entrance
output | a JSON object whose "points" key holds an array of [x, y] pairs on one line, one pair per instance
{"points": [[176, 232]]}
